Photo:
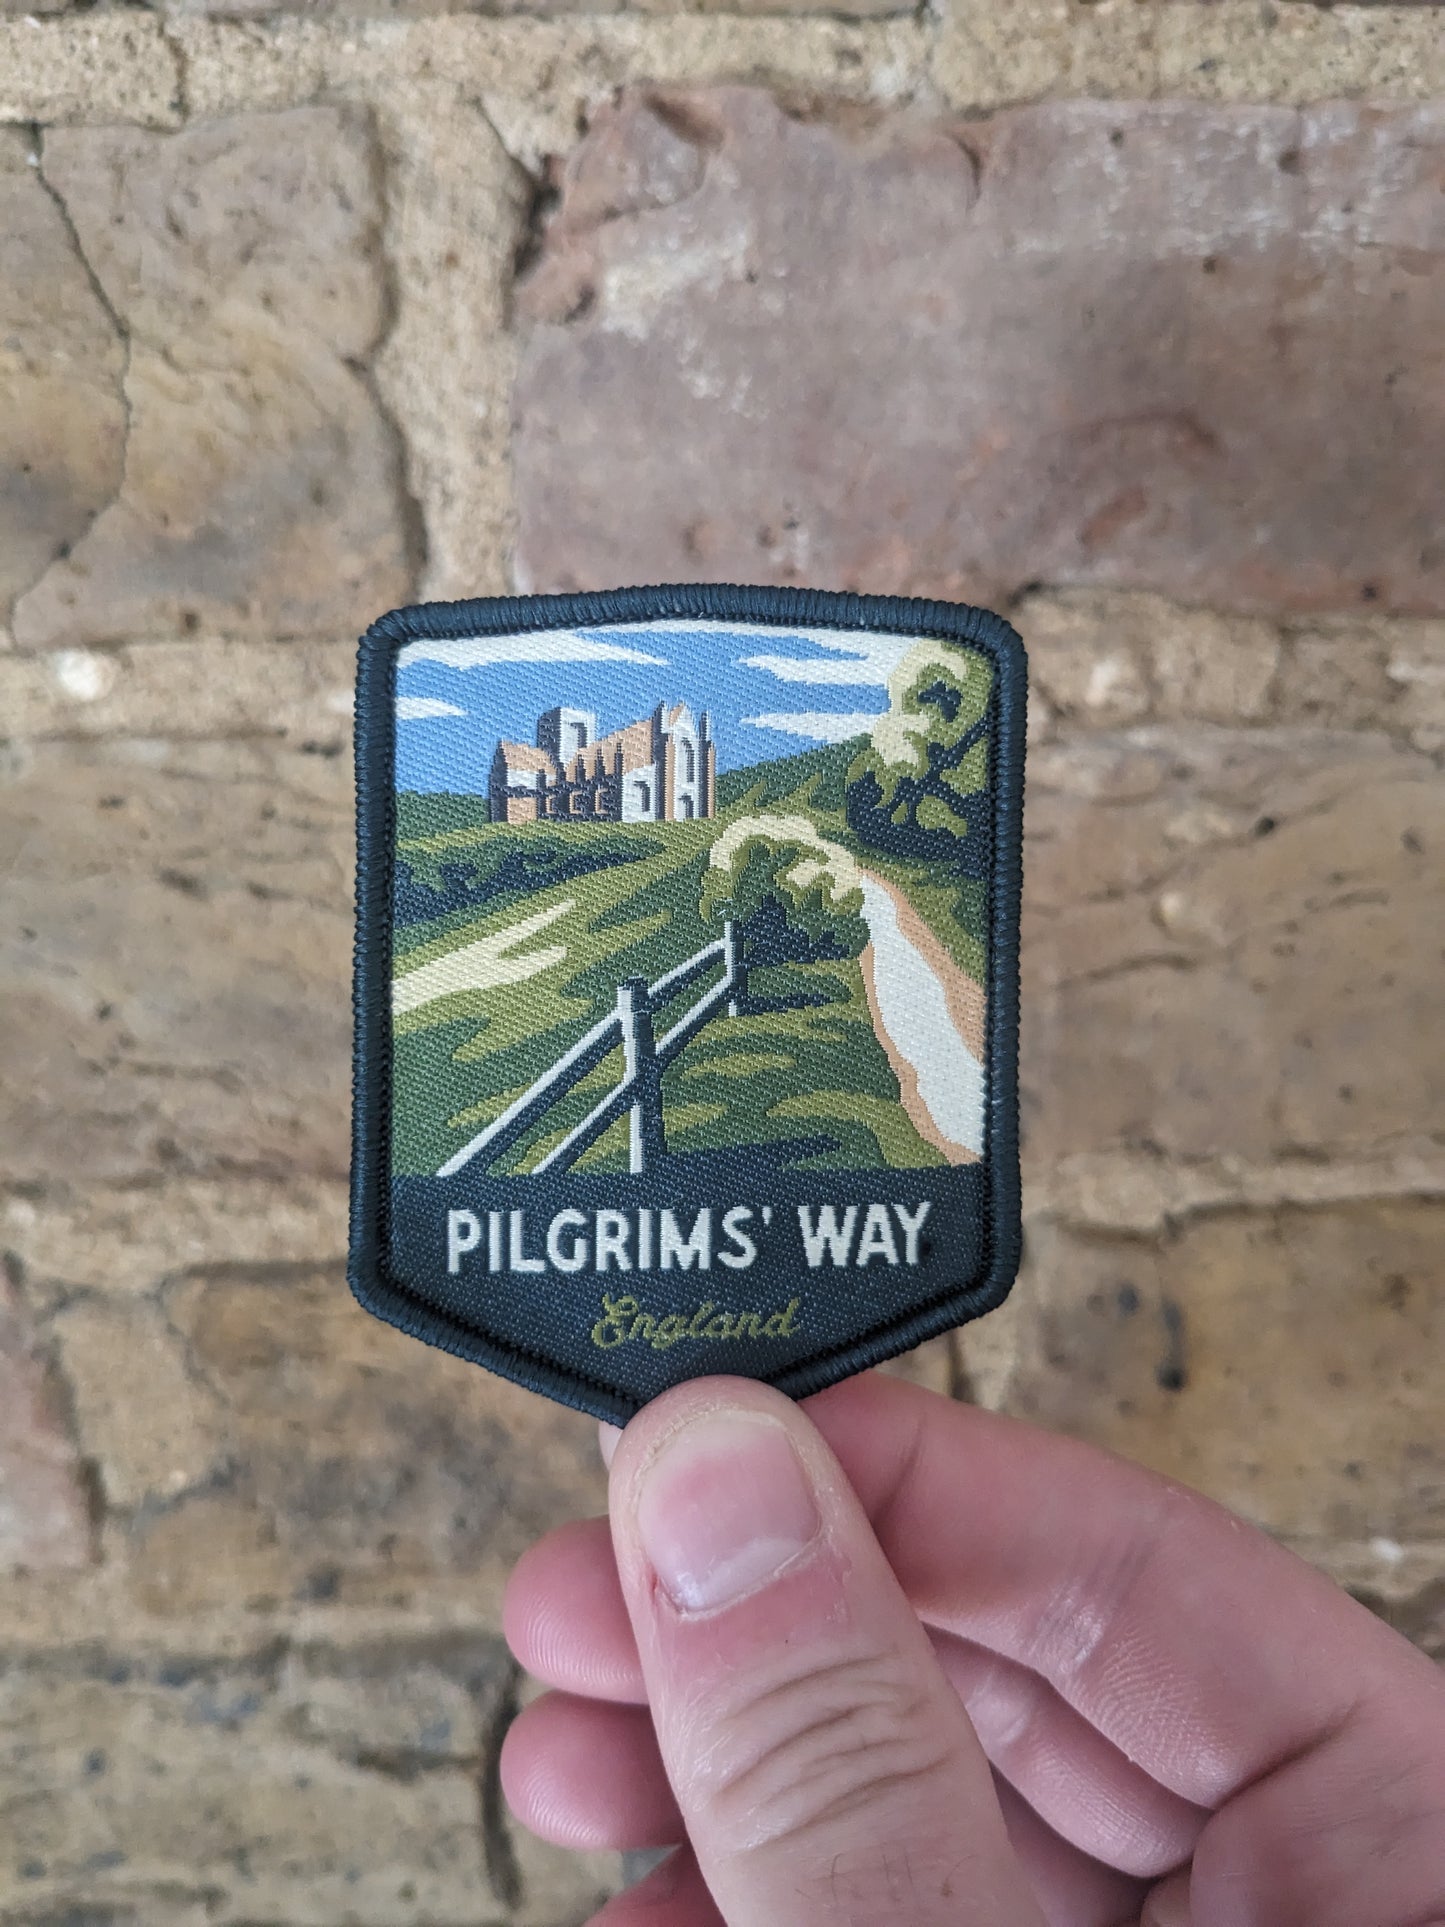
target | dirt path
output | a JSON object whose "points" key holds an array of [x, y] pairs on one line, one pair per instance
{"points": [[484, 964], [929, 1016]]}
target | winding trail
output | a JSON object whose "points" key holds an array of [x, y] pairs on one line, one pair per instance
{"points": [[483, 964], [929, 1017]]}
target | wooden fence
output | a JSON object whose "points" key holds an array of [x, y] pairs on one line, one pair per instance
{"points": [[645, 1056]]}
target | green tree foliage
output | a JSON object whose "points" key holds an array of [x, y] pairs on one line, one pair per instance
{"points": [[916, 789], [788, 900], [498, 866]]}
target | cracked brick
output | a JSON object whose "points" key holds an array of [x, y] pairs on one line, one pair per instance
{"points": [[44, 1510], [151, 1430], [62, 415], [262, 489]]}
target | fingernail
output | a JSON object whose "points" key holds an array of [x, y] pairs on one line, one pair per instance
{"points": [[609, 1437], [723, 1508]]}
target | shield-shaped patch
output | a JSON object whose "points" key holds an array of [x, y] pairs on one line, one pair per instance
{"points": [[686, 982]]}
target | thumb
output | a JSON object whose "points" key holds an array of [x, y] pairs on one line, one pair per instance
{"points": [[824, 1769]]}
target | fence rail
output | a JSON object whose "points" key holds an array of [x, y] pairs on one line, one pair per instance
{"points": [[645, 1056]]}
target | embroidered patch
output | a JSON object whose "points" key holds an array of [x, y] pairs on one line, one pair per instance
{"points": [[686, 982]]}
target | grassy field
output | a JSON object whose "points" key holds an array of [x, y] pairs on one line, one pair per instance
{"points": [[800, 1070]]}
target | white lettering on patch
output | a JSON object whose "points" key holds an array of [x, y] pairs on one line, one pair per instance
{"points": [[464, 1234], [733, 1224], [571, 1257], [517, 1259], [696, 1249], [877, 1239], [612, 1230], [827, 1234], [912, 1224], [644, 1238]]}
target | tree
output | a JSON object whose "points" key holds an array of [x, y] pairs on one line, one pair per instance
{"points": [[793, 898], [917, 789]]}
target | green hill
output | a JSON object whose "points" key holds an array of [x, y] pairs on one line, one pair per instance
{"points": [[491, 991], [512, 938], [815, 780]]}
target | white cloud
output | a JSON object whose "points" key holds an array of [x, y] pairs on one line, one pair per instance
{"points": [[821, 725], [416, 709], [855, 669], [547, 645], [866, 646]]}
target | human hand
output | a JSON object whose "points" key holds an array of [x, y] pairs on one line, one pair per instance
{"points": [[884, 1658]]}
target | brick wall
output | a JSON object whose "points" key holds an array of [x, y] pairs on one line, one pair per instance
{"points": [[1124, 316]]}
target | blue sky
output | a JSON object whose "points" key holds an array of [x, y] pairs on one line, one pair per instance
{"points": [[772, 691]]}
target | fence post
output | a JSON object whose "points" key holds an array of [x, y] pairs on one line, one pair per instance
{"points": [[733, 966], [646, 1144]]}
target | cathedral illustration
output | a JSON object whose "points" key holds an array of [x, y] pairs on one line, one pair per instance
{"points": [[660, 769]]}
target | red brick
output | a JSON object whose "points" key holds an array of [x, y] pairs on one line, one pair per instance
{"points": [[43, 1510], [1172, 345]]}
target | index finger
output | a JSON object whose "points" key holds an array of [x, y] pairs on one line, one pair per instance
{"points": [[1201, 1649]]}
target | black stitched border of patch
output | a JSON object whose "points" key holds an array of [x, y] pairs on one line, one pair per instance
{"points": [[417, 1306]]}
